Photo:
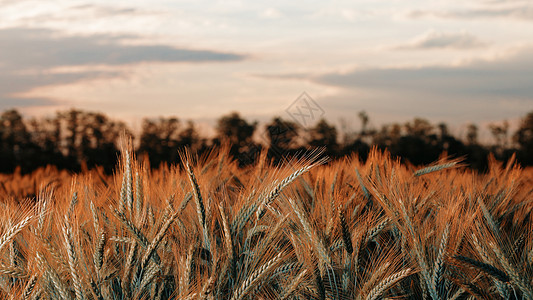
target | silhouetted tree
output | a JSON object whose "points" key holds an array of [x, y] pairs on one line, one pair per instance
{"points": [[471, 134], [188, 137], [235, 129], [448, 143], [363, 116], [476, 155], [420, 145], [388, 135], [239, 133], [45, 142], [98, 139], [14, 138], [71, 118], [13, 130], [524, 138], [281, 137], [160, 140], [87, 138], [282, 134], [499, 133], [419, 128], [443, 131], [324, 135]]}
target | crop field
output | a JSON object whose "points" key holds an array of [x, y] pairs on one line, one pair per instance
{"points": [[309, 229]]}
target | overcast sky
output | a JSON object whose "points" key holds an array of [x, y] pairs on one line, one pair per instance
{"points": [[454, 61]]}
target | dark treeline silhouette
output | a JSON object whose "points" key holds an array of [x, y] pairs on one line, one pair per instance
{"points": [[76, 140]]}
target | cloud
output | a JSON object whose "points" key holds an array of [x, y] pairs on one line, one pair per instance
{"points": [[31, 58], [481, 90], [87, 13], [11, 102], [519, 12], [511, 76], [103, 10], [436, 39], [283, 76], [498, 2], [271, 13], [22, 47]]}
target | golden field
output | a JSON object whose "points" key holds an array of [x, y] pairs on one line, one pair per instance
{"points": [[310, 229]]}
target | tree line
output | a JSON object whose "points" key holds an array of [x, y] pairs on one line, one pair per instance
{"points": [[76, 140]]}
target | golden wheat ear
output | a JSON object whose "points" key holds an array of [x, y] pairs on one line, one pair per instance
{"points": [[187, 160]]}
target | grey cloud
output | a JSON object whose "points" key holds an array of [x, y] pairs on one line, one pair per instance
{"points": [[88, 13], [510, 78], [13, 83], [7, 2], [497, 2], [474, 92], [43, 48], [522, 12], [285, 76], [388, 109], [101, 10], [435, 40], [28, 55], [9, 103]]}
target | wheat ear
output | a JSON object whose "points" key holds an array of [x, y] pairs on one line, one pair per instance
{"points": [[28, 289], [150, 251], [200, 208], [436, 168], [274, 193], [318, 245], [346, 236], [513, 273], [248, 284], [294, 286], [72, 261], [484, 267], [136, 232], [386, 283], [13, 231], [438, 268]]}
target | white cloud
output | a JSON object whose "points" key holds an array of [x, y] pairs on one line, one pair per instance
{"points": [[271, 13], [437, 39]]}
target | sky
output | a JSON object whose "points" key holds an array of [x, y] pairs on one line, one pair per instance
{"points": [[451, 61]]}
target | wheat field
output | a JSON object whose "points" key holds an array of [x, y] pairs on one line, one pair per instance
{"points": [[309, 229]]}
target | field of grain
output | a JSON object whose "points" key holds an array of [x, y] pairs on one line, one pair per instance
{"points": [[310, 229]]}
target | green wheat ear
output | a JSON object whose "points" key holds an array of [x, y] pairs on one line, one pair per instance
{"points": [[436, 168]]}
